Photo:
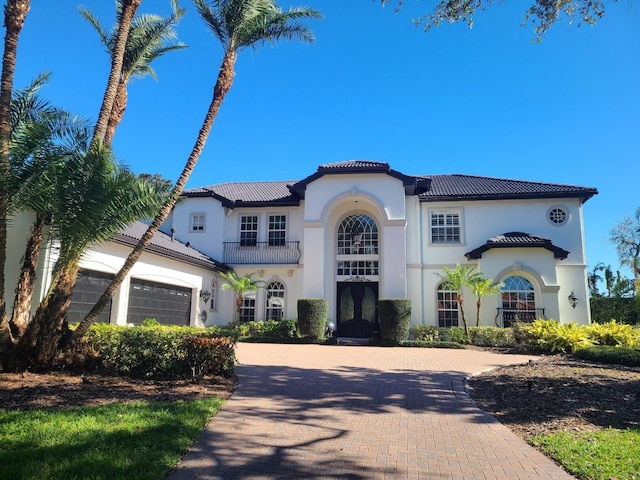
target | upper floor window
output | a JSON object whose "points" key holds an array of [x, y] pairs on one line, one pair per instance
{"points": [[277, 230], [275, 300], [358, 235], [197, 222], [447, 307], [249, 230], [445, 227]]}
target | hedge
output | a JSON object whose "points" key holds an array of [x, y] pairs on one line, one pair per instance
{"points": [[395, 319], [312, 318]]}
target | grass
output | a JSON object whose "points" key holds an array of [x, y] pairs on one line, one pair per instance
{"points": [[138, 440], [601, 455]]}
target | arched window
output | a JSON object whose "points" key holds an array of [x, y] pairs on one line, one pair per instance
{"points": [[357, 247], [358, 235], [518, 300], [213, 301], [447, 307], [275, 301]]}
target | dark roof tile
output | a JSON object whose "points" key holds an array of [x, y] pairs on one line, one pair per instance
{"points": [[518, 240]]}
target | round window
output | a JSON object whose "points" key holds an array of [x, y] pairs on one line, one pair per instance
{"points": [[558, 215]]}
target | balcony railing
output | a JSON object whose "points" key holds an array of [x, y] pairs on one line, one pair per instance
{"points": [[261, 252], [508, 316]]}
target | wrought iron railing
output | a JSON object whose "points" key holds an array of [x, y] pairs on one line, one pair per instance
{"points": [[261, 252], [508, 316]]}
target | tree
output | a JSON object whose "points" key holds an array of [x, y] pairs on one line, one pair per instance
{"points": [[481, 288], [150, 37], [240, 286], [626, 237], [15, 13], [457, 279], [542, 14], [237, 24]]}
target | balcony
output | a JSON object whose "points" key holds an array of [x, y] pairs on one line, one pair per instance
{"points": [[508, 316], [237, 253]]}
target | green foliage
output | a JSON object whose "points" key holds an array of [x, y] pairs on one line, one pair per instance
{"points": [[137, 440], [553, 336], [615, 334], [427, 344], [612, 355], [625, 310], [150, 322], [430, 333], [395, 319], [605, 454], [492, 337], [312, 317], [270, 329], [161, 351]]}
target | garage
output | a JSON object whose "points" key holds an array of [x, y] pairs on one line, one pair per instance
{"points": [[168, 304], [88, 288]]}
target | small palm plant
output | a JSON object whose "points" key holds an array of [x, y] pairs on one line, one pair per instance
{"points": [[240, 285], [481, 288], [457, 279]]}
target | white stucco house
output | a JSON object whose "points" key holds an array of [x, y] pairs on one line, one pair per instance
{"points": [[354, 232]]}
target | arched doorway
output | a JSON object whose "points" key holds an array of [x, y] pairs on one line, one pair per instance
{"points": [[357, 273]]}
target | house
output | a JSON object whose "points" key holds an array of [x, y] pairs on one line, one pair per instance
{"points": [[354, 232]]}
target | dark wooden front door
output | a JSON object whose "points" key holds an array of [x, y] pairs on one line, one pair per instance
{"points": [[357, 309]]}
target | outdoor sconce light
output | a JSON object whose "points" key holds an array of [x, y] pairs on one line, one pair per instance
{"points": [[573, 300], [203, 316], [205, 295]]}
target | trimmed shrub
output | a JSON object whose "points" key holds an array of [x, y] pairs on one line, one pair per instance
{"points": [[395, 319], [492, 337], [625, 310], [629, 357], [160, 351], [312, 318], [427, 344], [425, 333]]}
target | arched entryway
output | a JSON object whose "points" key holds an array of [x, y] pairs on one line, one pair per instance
{"points": [[357, 273]]}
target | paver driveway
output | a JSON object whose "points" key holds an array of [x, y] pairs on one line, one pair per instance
{"points": [[333, 412]]}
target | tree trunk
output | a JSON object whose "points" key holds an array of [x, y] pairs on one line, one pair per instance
{"points": [[222, 87], [119, 106], [24, 290], [41, 342], [464, 319], [478, 305], [15, 12], [129, 8]]}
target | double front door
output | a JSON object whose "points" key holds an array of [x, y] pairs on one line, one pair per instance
{"points": [[357, 307]]}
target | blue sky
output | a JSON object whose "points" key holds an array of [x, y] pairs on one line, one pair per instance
{"points": [[486, 101]]}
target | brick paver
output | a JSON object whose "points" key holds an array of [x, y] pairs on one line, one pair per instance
{"points": [[349, 412]]}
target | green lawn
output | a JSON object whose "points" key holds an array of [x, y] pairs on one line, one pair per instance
{"points": [[141, 440], [602, 455]]}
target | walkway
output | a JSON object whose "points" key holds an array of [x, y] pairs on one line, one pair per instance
{"points": [[347, 412]]}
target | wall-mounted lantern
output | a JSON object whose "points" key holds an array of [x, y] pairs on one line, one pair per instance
{"points": [[205, 295], [573, 300]]}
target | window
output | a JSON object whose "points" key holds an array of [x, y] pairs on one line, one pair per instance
{"points": [[357, 267], [358, 235], [277, 230], [558, 215], [248, 311], [445, 227], [275, 301], [197, 222], [248, 230], [518, 301], [447, 307], [214, 296]]}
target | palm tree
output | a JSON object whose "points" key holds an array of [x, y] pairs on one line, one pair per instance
{"points": [[237, 24], [149, 38], [15, 12], [481, 288], [457, 279], [240, 285], [93, 198], [129, 8], [41, 137]]}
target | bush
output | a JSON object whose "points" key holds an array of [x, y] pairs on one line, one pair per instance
{"points": [[492, 337], [614, 334], [161, 351], [426, 333], [395, 319], [312, 318], [625, 310], [270, 329], [609, 354], [552, 336], [428, 344]]}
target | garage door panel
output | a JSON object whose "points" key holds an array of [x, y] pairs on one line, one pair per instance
{"points": [[169, 305], [88, 288]]}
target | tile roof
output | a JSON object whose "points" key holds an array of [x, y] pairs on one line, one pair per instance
{"points": [[161, 244], [429, 188], [517, 240]]}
